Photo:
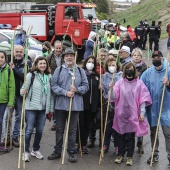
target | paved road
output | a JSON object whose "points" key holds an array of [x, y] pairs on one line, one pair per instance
{"points": [[90, 161]]}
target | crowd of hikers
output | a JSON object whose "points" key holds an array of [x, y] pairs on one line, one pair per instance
{"points": [[113, 90]]}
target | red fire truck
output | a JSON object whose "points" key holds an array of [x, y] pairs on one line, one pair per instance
{"points": [[73, 21]]}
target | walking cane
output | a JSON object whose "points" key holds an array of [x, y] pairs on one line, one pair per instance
{"points": [[23, 106], [79, 138], [69, 115], [160, 111]]}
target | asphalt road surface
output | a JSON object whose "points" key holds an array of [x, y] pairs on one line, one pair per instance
{"points": [[90, 161]]}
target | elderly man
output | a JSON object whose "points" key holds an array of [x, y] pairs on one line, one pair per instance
{"points": [[125, 55], [154, 78], [20, 36], [61, 84], [18, 69], [55, 60]]}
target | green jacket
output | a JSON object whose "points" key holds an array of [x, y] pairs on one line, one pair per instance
{"points": [[7, 86]]}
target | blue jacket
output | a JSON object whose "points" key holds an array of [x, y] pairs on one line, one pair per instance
{"points": [[153, 80], [19, 39], [60, 84], [89, 48]]}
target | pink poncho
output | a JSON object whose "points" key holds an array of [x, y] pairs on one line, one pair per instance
{"points": [[129, 96]]}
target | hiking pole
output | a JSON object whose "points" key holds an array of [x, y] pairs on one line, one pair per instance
{"points": [[23, 107], [160, 111], [69, 115], [79, 138], [12, 47]]}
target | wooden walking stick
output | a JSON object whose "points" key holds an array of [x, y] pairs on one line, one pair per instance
{"points": [[79, 138], [69, 115], [23, 106], [160, 111]]}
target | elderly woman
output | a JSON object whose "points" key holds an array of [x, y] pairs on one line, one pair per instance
{"points": [[131, 96], [90, 44]]}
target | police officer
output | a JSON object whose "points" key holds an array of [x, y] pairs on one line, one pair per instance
{"points": [[146, 25], [140, 32], [153, 36]]}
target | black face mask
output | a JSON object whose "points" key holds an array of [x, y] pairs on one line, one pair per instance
{"points": [[156, 63], [129, 73], [44, 50]]}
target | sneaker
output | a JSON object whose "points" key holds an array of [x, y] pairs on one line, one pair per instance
{"points": [[155, 159], [91, 144], [129, 161], [54, 155], [72, 158], [53, 128], [140, 147], [119, 160], [85, 150], [15, 142], [25, 157], [37, 154]]}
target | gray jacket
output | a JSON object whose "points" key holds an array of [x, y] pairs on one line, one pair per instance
{"points": [[60, 84], [34, 96]]}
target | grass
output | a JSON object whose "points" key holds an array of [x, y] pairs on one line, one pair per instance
{"points": [[158, 10]]}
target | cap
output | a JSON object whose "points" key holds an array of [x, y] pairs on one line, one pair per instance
{"points": [[126, 49], [157, 53], [68, 51], [114, 52], [19, 27]]}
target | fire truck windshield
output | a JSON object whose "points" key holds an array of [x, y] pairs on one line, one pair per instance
{"points": [[87, 11]]}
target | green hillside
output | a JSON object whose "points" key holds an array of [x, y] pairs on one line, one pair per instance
{"points": [[158, 10]]}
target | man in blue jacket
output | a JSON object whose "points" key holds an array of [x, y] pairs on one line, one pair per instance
{"points": [[20, 36], [155, 78], [61, 85]]}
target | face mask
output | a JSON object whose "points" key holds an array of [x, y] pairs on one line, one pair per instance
{"points": [[89, 66], [129, 73], [111, 69], [44, 50], [156, 63]]}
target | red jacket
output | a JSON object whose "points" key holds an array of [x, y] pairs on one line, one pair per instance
{"points": [[168, 29], [132, 33]]}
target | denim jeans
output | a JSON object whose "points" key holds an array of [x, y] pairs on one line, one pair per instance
{"points": [[18, 109], [61, 117], [2, 111], [34, 118], [168, 43]]}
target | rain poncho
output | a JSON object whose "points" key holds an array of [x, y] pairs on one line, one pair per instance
{"points": [[129, 96], [153, 80]]}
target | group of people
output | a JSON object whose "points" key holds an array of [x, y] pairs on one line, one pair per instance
{"points": [[131, 92]]}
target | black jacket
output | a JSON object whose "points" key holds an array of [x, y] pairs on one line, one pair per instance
{"points": [[92, 96], [127, 43]]}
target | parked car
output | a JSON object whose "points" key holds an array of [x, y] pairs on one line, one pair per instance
{"points": [[34, 45]]}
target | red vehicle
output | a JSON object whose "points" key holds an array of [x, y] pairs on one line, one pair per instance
{"points": [[73, 21]]}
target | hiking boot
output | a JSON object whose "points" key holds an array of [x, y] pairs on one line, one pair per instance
{"points": [[119, 160], [72, 158], [54, 155], [129, 161], [25, 157], [15, 142], [91, 144], [155, 159], [140, 147], [37, 154], [53, 128], [85, 150]]}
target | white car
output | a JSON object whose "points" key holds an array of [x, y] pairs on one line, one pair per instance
{"points": [[35, 46]]}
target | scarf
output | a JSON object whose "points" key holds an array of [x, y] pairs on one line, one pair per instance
{"points": [[44, 79]]}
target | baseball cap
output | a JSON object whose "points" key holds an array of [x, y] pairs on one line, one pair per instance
{"points": [[125, 49], [157, 53]]}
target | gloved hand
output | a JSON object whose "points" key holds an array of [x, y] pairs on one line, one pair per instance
{"points": [[49, 116]]}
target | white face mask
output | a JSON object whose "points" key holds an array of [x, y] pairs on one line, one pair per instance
{"points": [[89, 66], [111, 69]]}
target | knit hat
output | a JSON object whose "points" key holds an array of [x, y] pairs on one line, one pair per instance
{"points": [[126, 49]]}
